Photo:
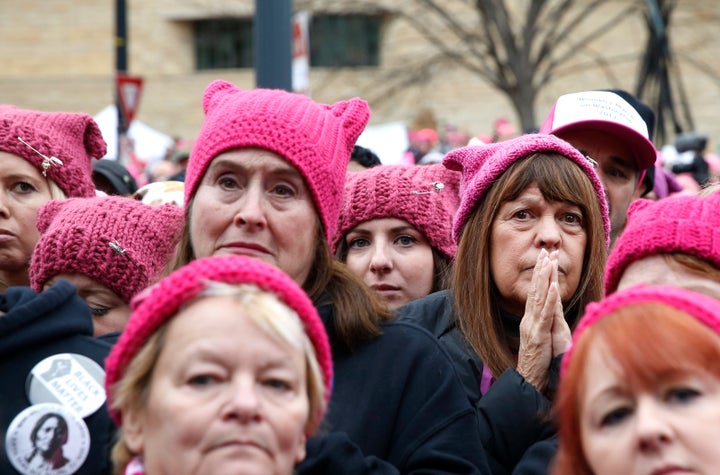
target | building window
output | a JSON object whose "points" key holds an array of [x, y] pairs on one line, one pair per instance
{"points": [[224, 43], [344, 40]]}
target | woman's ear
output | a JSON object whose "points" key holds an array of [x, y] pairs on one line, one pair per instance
{"points": [[301, 452], [133, 431]]}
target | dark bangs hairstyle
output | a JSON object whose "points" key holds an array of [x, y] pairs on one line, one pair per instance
{"points": [[476, 296]]}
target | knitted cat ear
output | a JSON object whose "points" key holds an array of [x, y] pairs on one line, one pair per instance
{"points": [[355, 114], [94, 143], [216, 92], [47, 213], [639, 205]]}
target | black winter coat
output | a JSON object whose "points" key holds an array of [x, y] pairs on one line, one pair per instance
{"points": [[34, 327], [513, 415], [396, 407]]}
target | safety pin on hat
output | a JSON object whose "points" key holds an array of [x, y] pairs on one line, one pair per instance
{"points": [[435, 187], [117, 247], [47, 161]]}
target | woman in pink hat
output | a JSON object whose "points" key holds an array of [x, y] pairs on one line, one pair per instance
{"points": [[673, 241], [640, 388], [394, 230], [532, 231], [224, 367], [43, 156], [110, 248], [265, 180]]}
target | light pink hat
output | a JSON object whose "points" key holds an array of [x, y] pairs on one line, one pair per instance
{"points": [[425, 196], [688, 224], [703, 308], [315, 138], [482, 164], [64, 144], [160, 303]]}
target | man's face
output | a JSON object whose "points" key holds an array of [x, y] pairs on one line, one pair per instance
{"points": [[616, 168]]}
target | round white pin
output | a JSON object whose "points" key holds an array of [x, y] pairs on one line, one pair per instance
{"points": [[72, 380], [47, 439]]}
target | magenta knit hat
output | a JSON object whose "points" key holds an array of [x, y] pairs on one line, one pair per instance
{"points": [[64, 144], [158, 304], [482, 164], [425, 196], [315, 138], [705, 309], [687, 223], [119, 242]]}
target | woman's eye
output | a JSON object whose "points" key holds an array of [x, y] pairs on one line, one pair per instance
{"points": [[227, 183], [202, 380], [572, 218], [23, 187], [99, 311], [522, 214], [284, 190], [405, 240], [278, 384], [358, 243], [682, 395], [615, 416]]}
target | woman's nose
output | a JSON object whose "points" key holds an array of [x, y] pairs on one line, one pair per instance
{"points": [[548, 233], [251, 209], [381, 261], [653, 429]]}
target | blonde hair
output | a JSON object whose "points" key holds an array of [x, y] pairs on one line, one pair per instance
{"points": [[272, 316]]}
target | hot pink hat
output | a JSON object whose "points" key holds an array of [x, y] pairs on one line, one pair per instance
{"points": [[482, 164], [613, 111], [705, 309], [315, 138], [119, 242], [424, 196], [688, 224], [64, 144], [158, 304]]}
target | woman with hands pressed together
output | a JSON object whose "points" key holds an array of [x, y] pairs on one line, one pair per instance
{"points": [[532, 232]]}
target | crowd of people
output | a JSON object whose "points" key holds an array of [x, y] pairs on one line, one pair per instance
{"points": [[276, 300]]}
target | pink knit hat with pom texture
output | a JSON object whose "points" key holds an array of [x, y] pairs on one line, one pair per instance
{"points": [[482, 164], [158, 304], [73, 139], [703, 308], [315, 138], [119, 242], [425, 196], [688, 224]]}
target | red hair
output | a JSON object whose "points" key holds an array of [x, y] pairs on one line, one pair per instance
{"points": [[646, 352]]}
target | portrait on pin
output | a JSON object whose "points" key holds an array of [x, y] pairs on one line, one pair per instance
{"points": [[48, 437]]}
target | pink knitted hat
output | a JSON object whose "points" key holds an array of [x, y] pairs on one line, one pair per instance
{"points": [[424, 196], [160, 303], [315, 138], [119, 242], [688, 224], [64, 144], [482, 164], [705, 309]]}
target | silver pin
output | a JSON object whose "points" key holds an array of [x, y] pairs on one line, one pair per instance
{"points": [[117, 247], [47, 161], [436, 186]]}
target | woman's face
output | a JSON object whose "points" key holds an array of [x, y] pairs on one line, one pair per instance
{"points": [[49, 436], [23, 190], [671, 429], [253, 202], [660, 270], [224, 397], [524, 226], [393, 258], [109, 312]]}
